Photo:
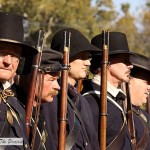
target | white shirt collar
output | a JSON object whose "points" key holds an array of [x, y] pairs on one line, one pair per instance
{"points": [[110, 88], [6, 85]]}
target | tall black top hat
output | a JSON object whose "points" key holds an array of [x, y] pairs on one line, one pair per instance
{"points": [[141, 67], [78, 42], [11, 31], [117, 43], [50, 62]]}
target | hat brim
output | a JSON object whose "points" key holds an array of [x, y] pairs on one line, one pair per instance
{"points": [[119, 52], [26, 49], [141, 66], [92, 49]]}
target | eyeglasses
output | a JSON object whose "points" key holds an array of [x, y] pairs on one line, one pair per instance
{"points": [[14, 57]]}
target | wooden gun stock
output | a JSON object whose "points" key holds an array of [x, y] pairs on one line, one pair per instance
{"points": [[103, 96], [64, 91]]}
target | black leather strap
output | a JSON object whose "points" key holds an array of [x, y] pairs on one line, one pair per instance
{"points": [[117, 143], [72, 137], [78, 121]]}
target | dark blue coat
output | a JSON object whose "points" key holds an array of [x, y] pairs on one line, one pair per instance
{"points": [[142, 128], [15, 130], [51, 111], [114, 118]]}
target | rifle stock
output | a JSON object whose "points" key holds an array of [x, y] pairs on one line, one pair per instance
{"points": [[31, 90], [103, 96], [64, 91], [130, 118]]}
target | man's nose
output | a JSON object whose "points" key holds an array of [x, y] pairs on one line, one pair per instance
{"points": [[56, 85], [7, 59], [87, 62]]}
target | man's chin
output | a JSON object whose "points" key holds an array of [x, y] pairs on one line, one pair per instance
{"points": [[83, 76], [127, 79], [47, 100]]}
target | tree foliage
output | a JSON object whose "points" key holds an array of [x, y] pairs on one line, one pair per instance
{"points": [[146, 29], [52, 15]]}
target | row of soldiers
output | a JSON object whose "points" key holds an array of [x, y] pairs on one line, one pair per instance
{"points": [[83, 110]]}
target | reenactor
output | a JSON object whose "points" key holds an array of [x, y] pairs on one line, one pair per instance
{"points": [[118, 71], [139, 93], [12, 113], [47, 85], [50, 68], [80, 128]]}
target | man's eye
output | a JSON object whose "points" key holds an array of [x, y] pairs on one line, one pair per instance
{"points": [[50, 80]]}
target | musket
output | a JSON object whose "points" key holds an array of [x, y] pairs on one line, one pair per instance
{"points": [[37, 108], [103, 89], [64, 91], [33, 79], [148, 104], [130, 118]]}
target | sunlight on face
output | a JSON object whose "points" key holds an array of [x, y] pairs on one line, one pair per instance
{"points": [[78, 67], [139, 91], [119, 69], [50, 87]]}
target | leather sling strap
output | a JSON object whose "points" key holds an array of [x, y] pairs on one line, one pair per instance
{"points": [[71, 139], [116, 143]]}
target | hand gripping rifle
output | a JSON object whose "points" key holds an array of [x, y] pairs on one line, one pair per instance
{"points": [[34, 72], [64, 91], [103, 96], [130, 118]]}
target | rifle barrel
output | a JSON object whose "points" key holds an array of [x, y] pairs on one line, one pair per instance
{"points": [[103, 96], [130, 117], [64, 91], [31, 90]]}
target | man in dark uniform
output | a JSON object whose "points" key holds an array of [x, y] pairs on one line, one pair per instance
{"points": [[49, 72], [12, 113], [118, 71], [139, 91], [51, 68], [80, 130]]}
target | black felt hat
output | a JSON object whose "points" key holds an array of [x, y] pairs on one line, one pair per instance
{"points": [[141, 67], [11, 32], [118, 43], [143, 63], [50, 62], [78, 42]]}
